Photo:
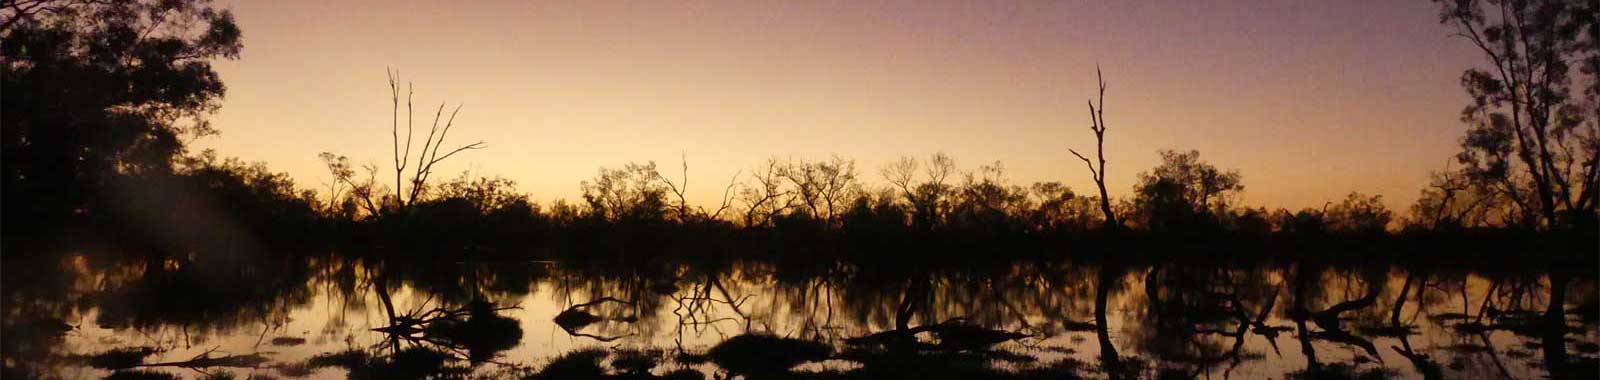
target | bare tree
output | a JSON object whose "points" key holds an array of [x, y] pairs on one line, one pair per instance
{"points": [[900, 174], [804, 178], [940, 167], [765, 197], [838, 184], [429, 155], [928, 200], [680, 189], [727, 197], [1098, 125], [821, 186]]}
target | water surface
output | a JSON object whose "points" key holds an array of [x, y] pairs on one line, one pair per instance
{"points": [[273, 318]]}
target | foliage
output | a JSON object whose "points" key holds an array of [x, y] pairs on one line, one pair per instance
{"points": [[1184, 192], [1304, 222], [928, 198], [113, 88], [1532, 145], [634, 193], [1452, 202], [1360, 214], [486, 194]]}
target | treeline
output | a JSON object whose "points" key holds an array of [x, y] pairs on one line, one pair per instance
{"points": [[806, 208]]}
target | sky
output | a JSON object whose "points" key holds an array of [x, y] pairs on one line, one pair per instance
{"points": [[1309, 100]]}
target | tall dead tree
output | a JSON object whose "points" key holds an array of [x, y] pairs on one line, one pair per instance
{"points": [[429, 155], [684, 212], [1097, 119]]}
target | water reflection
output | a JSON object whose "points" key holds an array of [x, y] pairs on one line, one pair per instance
{"points": [[332, 317]]}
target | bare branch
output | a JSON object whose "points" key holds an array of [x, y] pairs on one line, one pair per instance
{"points": [[727, 195], [1086, 163], [1098, 126]]}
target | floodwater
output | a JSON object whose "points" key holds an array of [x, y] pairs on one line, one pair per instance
{"points": [[276, 318]]}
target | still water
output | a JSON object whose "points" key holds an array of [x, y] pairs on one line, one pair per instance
{"points": [[82, 317]]}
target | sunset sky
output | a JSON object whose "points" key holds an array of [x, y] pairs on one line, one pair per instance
{"points": [[1308, 99]]}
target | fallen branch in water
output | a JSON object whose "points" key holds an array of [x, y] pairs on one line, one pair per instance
{"points": [[577, 317], [406, 325], [954, 334], [205, 360]]}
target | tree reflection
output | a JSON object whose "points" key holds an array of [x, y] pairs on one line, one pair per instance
{"points": [[1120, 319]]}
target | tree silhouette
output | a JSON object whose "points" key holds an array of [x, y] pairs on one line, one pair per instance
{"points": [[1451, 202], [102, 89], [1184, 191], [1097, 124], [683, 212], [1360, 214], [766, 197], [985, 201], [1531, 135], [929, 200], [633, 193], [1056, 207], [429, 155], [822, 187], [345, 195]]}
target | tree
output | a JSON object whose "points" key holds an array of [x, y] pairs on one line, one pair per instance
{"points": [[1057, 207], [346, 195], [1532, 137], [428, 156], [986, 201], [633, 193], [1307, 221], [683, 212], [98, 89], [1359, 214], [822, 186], [1451, 201], [929, 200], [485, 194], [1097, 119], [208, 204], [766, 197], [1183, 191]]}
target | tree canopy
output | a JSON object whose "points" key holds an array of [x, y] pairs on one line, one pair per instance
{"points": [[1533, 137], [100, 89]]}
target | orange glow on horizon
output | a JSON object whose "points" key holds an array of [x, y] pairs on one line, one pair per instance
{"points": [[1308, 101]]}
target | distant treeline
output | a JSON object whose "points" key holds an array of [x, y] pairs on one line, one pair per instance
{"points": [[789, 210]]}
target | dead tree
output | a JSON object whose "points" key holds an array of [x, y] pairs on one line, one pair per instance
{"points": [[679, 189], [821, 186], [727, 197], [429, 155], [767, 197], [1098, 125]]}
